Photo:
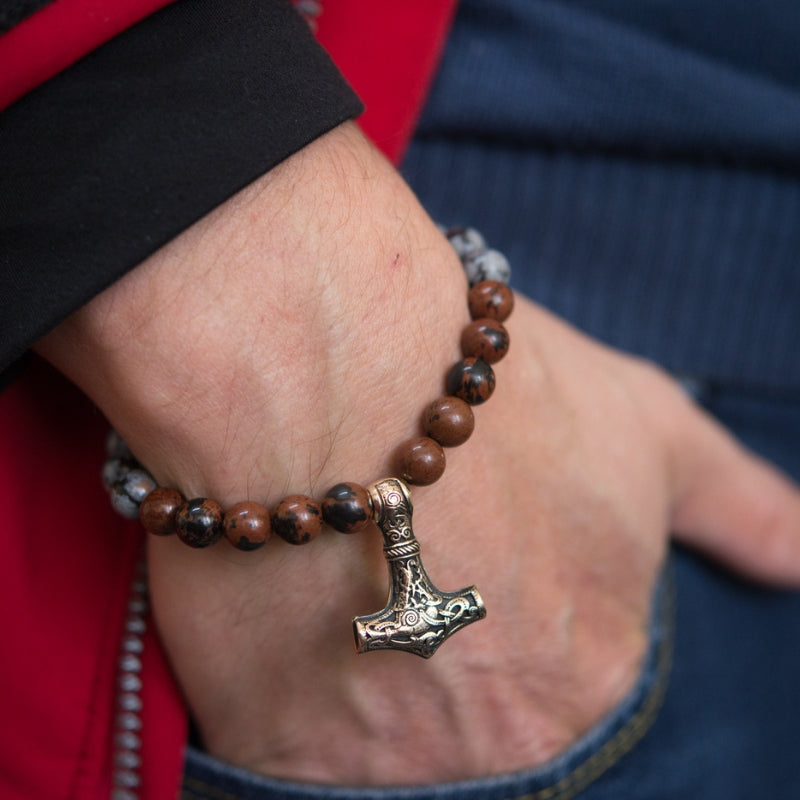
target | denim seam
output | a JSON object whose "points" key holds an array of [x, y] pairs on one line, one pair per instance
{"points": [[190, 791], [634, 730]]}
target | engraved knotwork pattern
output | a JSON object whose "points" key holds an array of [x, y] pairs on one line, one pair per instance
{"points": [[418, 617]]}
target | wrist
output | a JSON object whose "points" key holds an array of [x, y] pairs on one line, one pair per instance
{"points": [[234, 358]]}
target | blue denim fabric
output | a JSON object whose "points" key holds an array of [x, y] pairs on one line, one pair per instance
{"points": [[638, 163]]}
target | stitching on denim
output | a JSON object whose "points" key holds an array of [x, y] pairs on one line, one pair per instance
{"points": [[632, 732], [194, 789]]}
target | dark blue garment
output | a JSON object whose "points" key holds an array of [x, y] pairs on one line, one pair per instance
{"points": [[653, 78], [639, 163]]}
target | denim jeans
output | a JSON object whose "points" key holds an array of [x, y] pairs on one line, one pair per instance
{"points": [[714, 713]]}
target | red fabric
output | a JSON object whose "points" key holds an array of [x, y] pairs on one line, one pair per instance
{"points": [[389, 56], [68, 559], [52, 39], [66, 570]]}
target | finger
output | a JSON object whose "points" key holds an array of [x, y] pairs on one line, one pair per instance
{"points": [[732, 504]]}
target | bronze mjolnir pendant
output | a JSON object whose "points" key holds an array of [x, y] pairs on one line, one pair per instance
{"points": [[418, 617]]}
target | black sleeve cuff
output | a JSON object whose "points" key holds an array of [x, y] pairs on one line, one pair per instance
{"points": [[111, 159]]}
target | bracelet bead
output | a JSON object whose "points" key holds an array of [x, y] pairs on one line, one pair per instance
{"points": [[157, 511], [485, 338], [128, 492], [465, 241], [421, 461], [297, 519], [471, 380], [486, 265], [449, 421], [198, 522], [347, 507], [247, 525], [490, 299], [113, 471]]}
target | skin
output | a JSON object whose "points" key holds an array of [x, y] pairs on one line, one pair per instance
{"points": [[289, 341]]}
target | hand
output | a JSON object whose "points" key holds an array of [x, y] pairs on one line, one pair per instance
{"points": [[289, 341]]}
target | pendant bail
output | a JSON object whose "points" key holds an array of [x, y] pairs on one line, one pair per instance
{"points": [[418, 617]]}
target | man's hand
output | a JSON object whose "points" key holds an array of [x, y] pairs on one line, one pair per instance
{"points": [[290, 341]]}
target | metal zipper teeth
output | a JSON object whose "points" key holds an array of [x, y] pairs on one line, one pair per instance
{"points": [[127, 752]]}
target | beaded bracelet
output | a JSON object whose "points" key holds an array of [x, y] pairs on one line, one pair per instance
{"points": [[418, 616]]}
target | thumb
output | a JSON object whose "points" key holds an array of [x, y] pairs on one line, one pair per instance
{"points": [[730, 503]]}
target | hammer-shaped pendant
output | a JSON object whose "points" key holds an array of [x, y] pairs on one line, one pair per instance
{"points": [[418, 617]]}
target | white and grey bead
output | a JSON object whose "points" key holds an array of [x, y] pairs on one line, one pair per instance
{"points": [[487, 265], [465, 241], [128, 493], [123, 504], [114, 470]]}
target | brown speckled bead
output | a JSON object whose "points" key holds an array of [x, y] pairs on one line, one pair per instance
{"points": [[490, 299], [347, 507], [472, 380], [158, 509], [449, 420], [297, 519], [247, 525], [485, 338], [420, 461], [198, 522]]}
